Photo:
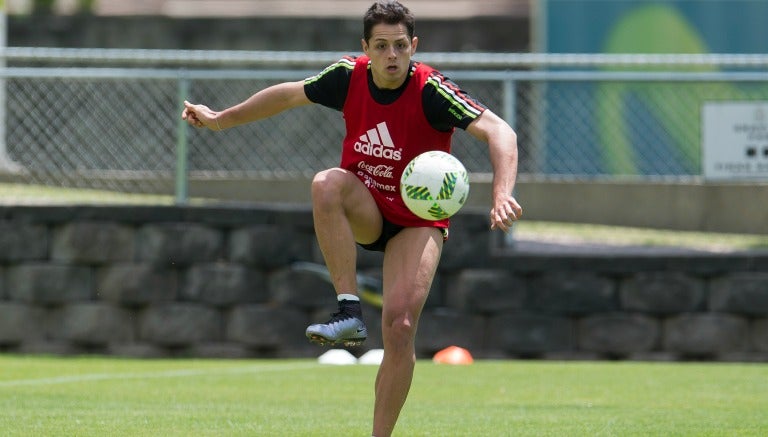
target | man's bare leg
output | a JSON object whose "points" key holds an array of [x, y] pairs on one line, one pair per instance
{"points": [[344, 211], [410, 262]]}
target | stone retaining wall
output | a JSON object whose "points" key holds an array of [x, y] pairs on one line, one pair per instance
{"points": [[215, 282]]}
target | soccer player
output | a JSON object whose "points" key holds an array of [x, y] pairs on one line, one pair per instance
{"points": [[394, 109]]}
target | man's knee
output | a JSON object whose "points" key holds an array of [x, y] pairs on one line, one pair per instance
{"points": [[328, 184], [326, 179], [402, 328]]}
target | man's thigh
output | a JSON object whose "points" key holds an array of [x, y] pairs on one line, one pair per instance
{"points": [[360, 208]]}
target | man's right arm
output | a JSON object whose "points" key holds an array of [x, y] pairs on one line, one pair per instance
{"points": [[263, 104]]}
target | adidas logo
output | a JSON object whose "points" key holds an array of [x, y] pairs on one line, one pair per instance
{"points": [[378, 143]]}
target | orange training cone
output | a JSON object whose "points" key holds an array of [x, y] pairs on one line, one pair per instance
{"points": [[453, 355]]}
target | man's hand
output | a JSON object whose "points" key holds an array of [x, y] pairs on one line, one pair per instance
{"points": [[200, 116], [504, 213]]}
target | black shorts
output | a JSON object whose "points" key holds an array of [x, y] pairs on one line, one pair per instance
{"points": [[389, 230]]}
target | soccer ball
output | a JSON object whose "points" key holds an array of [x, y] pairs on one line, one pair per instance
{"points": [[434, 185]]}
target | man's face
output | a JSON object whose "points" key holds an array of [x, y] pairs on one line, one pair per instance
{"points": [[390, 50]]}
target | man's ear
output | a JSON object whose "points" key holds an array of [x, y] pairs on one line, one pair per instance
{"points": [[364, 44], [414, 43]]}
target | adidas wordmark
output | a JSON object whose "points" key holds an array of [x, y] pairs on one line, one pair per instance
{"points": [[378, 143]]}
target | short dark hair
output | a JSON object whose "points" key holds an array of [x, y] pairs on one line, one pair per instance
{"points": [[388, 12]]}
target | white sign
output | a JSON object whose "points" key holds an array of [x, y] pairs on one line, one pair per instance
{"points": [[735, 140]]}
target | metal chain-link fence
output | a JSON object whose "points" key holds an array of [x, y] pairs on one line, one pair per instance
{"points": [[95, 120]]}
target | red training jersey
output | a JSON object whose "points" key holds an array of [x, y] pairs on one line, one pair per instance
{"points": [[382, 139]]}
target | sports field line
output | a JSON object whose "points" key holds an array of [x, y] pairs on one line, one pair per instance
{"points": [[177, 373]]}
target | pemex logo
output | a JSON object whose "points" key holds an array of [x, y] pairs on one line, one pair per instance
{"points": [[378, 143]]}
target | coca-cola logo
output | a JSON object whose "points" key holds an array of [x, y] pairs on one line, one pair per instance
{"points": [[383, 171]]}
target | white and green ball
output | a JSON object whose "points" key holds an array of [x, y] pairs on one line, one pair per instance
{"points": [[434, 185]]}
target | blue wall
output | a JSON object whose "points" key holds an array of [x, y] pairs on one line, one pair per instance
{"points": [[643, 133]]}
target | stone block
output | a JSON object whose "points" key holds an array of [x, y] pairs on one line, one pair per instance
{"points": [[300, 288], [137, 350], [653, 356], [49, 284], [23, 241], [224, 284], [179, 244], [662, 293], [468, 242], [743, 357], [125, 214], [218, 350], [180, 324], [92, 323], [136, 284], [307, 350], [571, 293], [296, 215], [44, 347], [440, 328], [92, 243], [706, 334], [741, 293], [530, 333], [227, 216], [372, 319], [21, 323], [366, 259], [618, 333], [464, 250], [759, 335], [265, 326], [574, 355], [269, 246], [437, 293], [486, 291]]}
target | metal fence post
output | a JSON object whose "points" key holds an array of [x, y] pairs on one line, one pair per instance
{"points": [[182, 154], [509, 92], [509, 97]]}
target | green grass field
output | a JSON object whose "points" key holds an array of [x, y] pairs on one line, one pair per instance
{"points": [[91, 396]]}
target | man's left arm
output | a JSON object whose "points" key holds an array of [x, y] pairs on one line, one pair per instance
{"points": [[502, 143]]}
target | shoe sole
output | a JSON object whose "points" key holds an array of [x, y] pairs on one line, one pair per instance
{"points": [[322, 341]]}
